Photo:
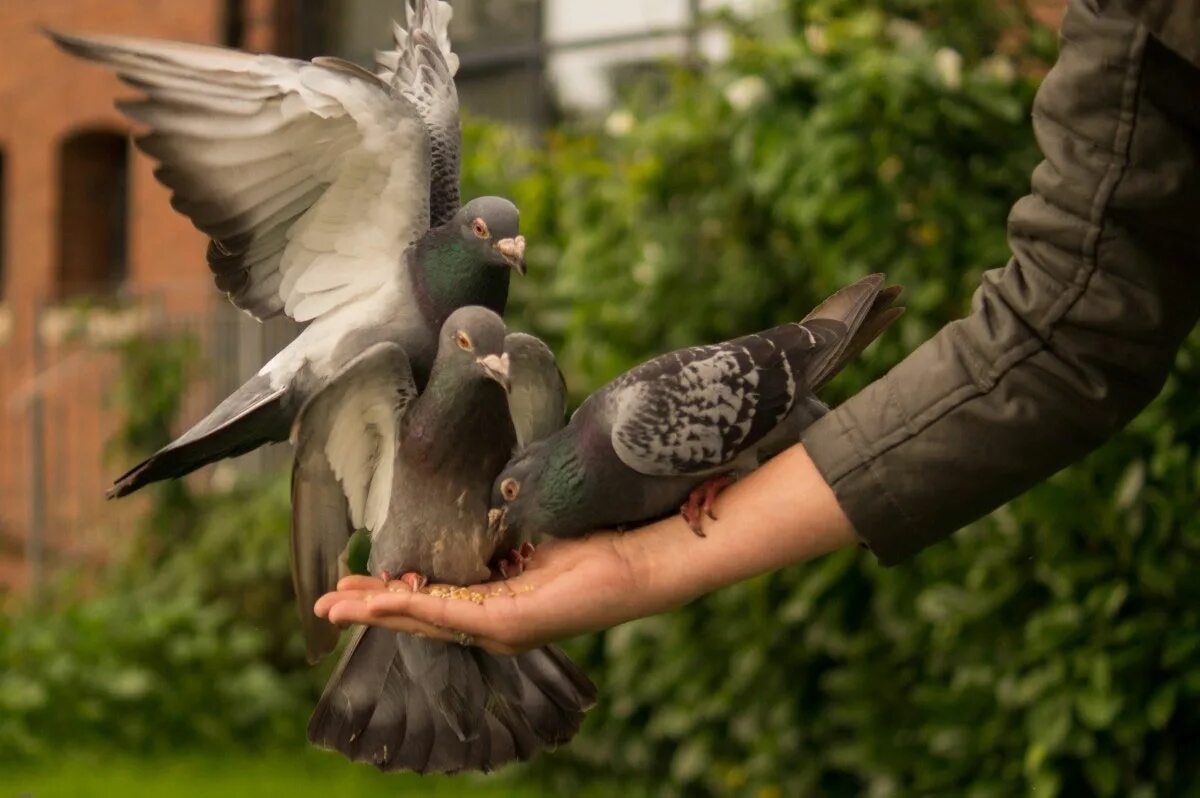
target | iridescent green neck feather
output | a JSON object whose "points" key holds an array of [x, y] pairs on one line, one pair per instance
{"points": [[455, 274], [562, 490]]}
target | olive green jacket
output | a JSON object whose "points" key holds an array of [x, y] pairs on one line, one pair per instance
{"points": [[1078, 332]]}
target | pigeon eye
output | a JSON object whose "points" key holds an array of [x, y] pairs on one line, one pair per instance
{"points": [[509, 489], [479, 228], [464, 341]]}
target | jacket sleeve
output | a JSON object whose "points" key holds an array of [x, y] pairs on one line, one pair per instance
{"points": [[1070, 340]]}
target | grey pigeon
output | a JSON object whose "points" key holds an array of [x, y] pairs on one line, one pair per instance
{"points": [[416, 470], [677, 428], [330, 194], [537, 394], [537, 401]]}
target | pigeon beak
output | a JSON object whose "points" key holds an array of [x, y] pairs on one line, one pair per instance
{"points": [[496, 521], [513, 252], [496, 367]]}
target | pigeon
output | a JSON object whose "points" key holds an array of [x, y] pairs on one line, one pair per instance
{"points": [[416, 469], [330, 194], [537, 398], [537, 394], [673, 431]]}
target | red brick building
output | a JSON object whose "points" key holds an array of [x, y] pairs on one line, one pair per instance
{"points": [[83, 224]]}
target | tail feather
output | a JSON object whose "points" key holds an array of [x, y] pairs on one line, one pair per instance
{"points": [[407, 703], [865, 307], [250, 417], [444, 675], [880, 316], [560, 682]]}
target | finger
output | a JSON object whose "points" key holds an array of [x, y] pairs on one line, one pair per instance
{"points": [[363, 612], [359, 582], [327, 601], [481, 620], [372, 613]]}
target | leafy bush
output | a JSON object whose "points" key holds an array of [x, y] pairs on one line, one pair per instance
{"points": [[198, 647]]}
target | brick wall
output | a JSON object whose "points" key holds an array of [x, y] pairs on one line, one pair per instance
{"points": [[46, 98]]}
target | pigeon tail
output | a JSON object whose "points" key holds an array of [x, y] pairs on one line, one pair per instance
{"points": [[253, 415], [407, 703], [866, 309]]}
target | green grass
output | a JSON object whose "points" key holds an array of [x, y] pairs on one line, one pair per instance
{"points": [[308, 774]]}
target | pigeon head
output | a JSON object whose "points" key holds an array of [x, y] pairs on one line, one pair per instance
{"points": [[491, 227], [472, 340], [543, 491]]}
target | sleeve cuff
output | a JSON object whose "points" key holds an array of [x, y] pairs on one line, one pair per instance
{"points": [[881, 524]]}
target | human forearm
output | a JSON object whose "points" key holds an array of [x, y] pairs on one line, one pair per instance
{"points": [[782, 514]]}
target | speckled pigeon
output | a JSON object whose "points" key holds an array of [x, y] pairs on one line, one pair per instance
{"points": [[677, 428], [417, 472], [330, 194]]}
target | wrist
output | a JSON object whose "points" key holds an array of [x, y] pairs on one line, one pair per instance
{"points": [[782, 514], [657, 559]]}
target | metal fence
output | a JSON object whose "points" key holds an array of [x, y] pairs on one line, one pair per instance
{"points": [[58, 416]]}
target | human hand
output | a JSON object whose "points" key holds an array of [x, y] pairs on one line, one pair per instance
{"points": [[782, 514], [568, 587]]}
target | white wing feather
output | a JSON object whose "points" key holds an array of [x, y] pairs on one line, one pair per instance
{"points": [[352, 423], [312, 178], [361, 449]]}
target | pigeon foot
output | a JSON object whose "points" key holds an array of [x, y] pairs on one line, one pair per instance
{"points": [[700, 500], [513, 563], [414, 580]]}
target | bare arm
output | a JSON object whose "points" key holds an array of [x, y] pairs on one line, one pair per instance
{"points": [[780, 515]]}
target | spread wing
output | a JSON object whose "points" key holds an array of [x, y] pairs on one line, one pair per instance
{"points": [[311, 179], [345, 441], [421, 67], [697, 409]]}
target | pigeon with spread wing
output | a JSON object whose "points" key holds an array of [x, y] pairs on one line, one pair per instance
{"points": [[329, 193]]}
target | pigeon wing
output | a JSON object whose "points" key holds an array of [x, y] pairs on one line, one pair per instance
{"points": [[345, 441], [421, 68], [695, 410], [537, 394], [311, 178]]}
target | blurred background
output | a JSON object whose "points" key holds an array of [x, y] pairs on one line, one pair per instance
{"points": [[687, 171]]}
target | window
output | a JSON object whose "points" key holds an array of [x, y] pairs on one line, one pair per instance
{"points": [[93, 213]]}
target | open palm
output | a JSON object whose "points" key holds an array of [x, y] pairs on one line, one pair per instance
{"points": [[569, 587]]}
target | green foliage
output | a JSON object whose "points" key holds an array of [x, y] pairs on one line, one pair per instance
{"points": [[1052, 649], [751, 191], [304, 773], [148, 392], [198, 646], [192, 640]]}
